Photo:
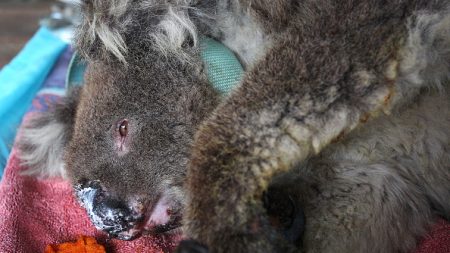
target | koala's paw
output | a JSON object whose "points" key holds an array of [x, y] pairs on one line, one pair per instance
{"points": [[285, 215], [191, 246]]}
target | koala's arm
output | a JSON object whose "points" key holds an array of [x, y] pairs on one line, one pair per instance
{"points": [[309, 90]]}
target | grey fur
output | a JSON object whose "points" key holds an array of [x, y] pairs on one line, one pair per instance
{"points": [[340, 78], [344, 106], [238, 30], [372, 191], [163, 98]]}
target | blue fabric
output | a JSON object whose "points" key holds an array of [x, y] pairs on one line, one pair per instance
{"points": [[19, 82], [75, 73]]}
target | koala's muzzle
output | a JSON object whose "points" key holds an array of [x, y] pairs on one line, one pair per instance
{"points": [[107, 213], [126, 220]]}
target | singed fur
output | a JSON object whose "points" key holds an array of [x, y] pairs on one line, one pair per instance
{"points": [[344, 106], [315, 97]]}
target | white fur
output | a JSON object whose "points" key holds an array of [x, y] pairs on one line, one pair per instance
{"points": [[425, 57], [173, 30], [243, 35], [86, 198], [109, 19], [112, 39], [46, 157], [99, 25]]}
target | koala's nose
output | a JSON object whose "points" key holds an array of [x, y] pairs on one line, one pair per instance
{"points": [[107, 213], [114, 215]]}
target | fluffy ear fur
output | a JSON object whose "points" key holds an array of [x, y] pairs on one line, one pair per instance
{"points": [[43, 139], [425, 56], [105, 24]]}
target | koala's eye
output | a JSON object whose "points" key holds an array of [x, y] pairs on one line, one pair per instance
{"points": [[123, 128]]}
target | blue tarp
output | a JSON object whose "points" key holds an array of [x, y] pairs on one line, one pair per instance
{"points": [[19, 82]]}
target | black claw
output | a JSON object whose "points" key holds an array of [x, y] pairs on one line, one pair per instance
{"points": [[285, 215], [295, 231], [191, 246]]}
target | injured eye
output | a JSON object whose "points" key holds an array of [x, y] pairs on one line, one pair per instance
{"points": [[121, 138], [123, 128]]}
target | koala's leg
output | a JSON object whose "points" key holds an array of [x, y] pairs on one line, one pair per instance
{"points": [[362, 208], [310, 89], [378, 190]]}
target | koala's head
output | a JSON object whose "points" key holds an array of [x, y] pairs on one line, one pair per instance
{"points": [[124, 137]]}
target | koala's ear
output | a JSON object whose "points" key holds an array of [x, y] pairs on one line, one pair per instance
{"points": [[107, 28], [43, 139], [100, 35]]}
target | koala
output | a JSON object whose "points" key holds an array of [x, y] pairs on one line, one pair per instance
{"points": [[336, 140], [123, 138], [344, 105]]}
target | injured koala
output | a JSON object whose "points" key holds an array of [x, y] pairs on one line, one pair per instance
{"points": [[342, 117], [123, 139]]}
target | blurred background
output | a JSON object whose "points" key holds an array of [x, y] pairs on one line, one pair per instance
{"points": [[35, 38], [19, 20]]}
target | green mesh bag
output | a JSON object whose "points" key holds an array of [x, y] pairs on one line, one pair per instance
{"points": [[223, 68]]}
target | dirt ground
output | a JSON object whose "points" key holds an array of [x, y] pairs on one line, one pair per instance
{"points": [[19, 20]]}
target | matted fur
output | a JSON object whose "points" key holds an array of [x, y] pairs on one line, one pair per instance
{"points": [[425, 55], [347, 100], [332, 68]]}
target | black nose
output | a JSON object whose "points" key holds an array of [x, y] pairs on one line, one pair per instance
{"points": [[114, 216], [106, 212]]}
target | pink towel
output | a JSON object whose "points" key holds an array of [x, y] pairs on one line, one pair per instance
{"points": [[437, 240], [35, 213]]}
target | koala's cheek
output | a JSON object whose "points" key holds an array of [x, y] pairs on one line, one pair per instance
{"points": [[122, 145]]}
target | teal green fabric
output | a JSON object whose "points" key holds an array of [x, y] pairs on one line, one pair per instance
{"points": [[223, 68], [75, 73], [21, 79]]}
